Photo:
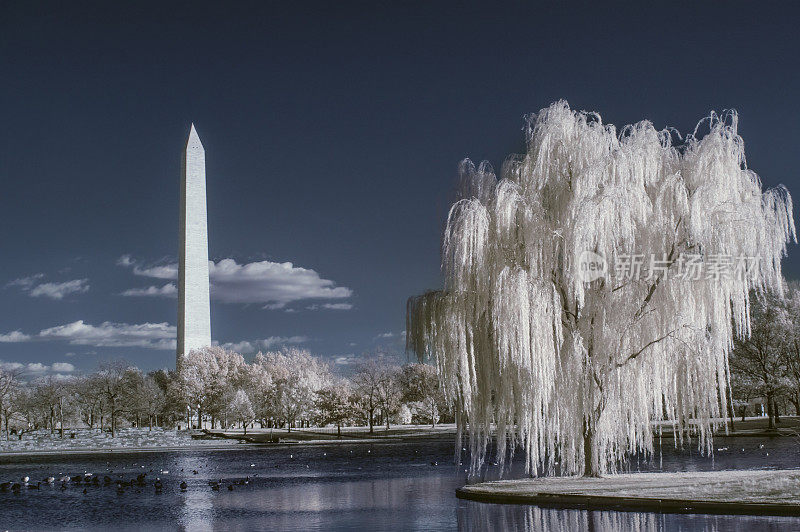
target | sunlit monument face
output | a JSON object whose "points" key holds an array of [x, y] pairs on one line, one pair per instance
{"points": [[194, 312]]}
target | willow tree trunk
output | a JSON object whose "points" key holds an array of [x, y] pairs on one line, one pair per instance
{"points": [[591, 466]]}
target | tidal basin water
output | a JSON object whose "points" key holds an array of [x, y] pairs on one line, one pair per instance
{"points": [[397, 486]]}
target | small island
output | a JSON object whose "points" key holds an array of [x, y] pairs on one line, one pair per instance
{"points": [[730, 492]]}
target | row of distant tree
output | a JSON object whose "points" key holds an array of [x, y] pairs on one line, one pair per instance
{"points": [[766, 366], [291, 388], [285, 389]]}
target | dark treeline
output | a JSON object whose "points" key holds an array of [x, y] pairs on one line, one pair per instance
{"points": [[765, 367]]}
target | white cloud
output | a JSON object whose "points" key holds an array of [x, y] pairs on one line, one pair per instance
{"points": [[31, 367], [107, 334], [34, 288], [394, 337], [345, 360], [331, 306], [36, 367], [168, 290], [26, 282], [338, 306], [167, 271], [13, 337], [246, 347], [62, 367], [164, 271], [59, 290], [240, 347], [271, 284], [273, 341]]}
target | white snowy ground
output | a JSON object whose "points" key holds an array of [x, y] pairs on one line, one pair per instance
{"points": [[93, 440], [776, 486]]}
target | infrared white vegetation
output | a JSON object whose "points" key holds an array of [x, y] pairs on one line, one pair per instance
{"points": [[576, 371]]}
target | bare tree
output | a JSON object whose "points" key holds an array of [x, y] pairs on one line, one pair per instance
{"points": [[376, 386], [88, 394], [111, 379], [789, 325], [334, 404], [366, 388], [9, 382], [759, 358], [389, 393]]}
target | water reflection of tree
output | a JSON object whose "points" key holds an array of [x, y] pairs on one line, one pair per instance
{"points": [[479, 516]]}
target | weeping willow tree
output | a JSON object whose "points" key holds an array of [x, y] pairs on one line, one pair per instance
{"points": [[575, 368]]}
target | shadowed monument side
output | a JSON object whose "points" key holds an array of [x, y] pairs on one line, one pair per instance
{"points": [[194, 309]]}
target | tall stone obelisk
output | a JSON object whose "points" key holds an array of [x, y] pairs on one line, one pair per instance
{"points": [[194, 309]]}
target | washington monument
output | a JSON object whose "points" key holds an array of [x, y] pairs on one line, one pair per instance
{"points": [[194, 309]]}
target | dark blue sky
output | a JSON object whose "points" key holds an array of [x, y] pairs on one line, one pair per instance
{"points": [[332, 136]]}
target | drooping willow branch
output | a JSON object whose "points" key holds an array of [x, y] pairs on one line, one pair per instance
{"points": [[524, 342]]}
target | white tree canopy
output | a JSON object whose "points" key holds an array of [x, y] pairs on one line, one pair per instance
{"points": [[576, 368], [241, 408]]}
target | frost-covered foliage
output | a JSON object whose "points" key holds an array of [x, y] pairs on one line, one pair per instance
{"points": [[295, 377], [404, 415], [576, 371], [242, 409], [208, 376], [421, 390]]}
